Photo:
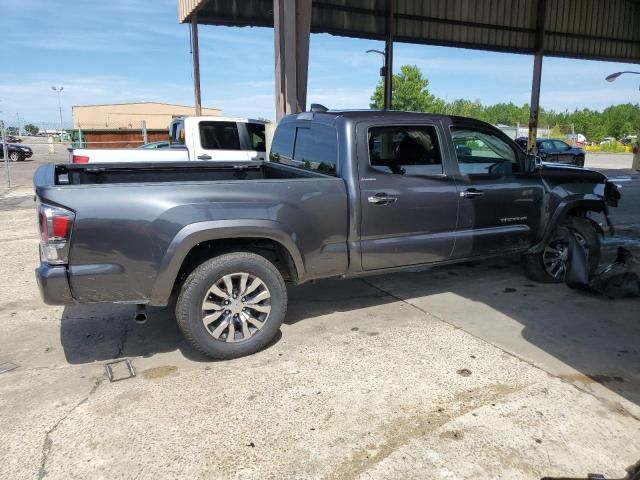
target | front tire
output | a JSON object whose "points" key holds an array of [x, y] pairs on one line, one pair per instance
{"points": [[14, 157], [550, 265], [232, 305]]}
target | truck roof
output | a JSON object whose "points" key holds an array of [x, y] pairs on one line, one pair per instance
{"points": [[330, 116]]}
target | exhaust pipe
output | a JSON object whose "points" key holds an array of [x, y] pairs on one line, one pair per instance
{"points": [[141, 314]]}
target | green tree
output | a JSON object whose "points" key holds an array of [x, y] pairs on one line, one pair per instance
{"points": [[31, 129], [410, 92]]}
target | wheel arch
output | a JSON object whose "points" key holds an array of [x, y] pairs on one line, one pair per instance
{"points": [[576, 205], [200, 241]]}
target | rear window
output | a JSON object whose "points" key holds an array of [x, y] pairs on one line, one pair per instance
{"points": [[316, 148], [256, 136], [405, 150], [176, 135], [219, 136], [282, 144], [313, 148]]}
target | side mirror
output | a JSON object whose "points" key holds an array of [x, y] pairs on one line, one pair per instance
{"points": [[532, 163]]}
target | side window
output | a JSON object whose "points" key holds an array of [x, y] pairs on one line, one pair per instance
{"points": [[176, 135], [282, 144], [483, 153], [547, 145], [316, 149], [256, 136], [405, 150], [219, 136], [561, 146]]}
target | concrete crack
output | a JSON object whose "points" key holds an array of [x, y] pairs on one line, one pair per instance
{"points": [[47, 444], [123, 340], [609, 404]]}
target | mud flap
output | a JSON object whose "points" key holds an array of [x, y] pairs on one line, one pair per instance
{"points": [[577, 273]]}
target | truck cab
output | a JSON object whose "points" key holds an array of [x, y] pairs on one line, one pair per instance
{"points": [[215, 138]]}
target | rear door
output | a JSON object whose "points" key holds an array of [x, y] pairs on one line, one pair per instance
{"points": [[500, 208], [408, 204], [220, 140]]}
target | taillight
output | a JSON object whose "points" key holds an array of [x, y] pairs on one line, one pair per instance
{"points": [[55, 231], [79, 159]]}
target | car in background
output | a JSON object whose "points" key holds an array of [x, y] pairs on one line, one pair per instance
{"points": [[155, 145], [607, 141], [556, 151], [628, 139], [16, 153], [12, 139]]}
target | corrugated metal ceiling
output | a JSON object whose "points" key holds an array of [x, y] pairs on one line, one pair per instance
{"points": [[595, 29]]}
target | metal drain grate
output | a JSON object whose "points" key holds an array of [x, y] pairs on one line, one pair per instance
{"points": [[111, 367]]}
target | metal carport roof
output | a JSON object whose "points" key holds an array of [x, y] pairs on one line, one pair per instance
{"points": [[590, 29]]}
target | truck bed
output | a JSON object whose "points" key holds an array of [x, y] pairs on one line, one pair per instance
{"points": [[108, 173]]}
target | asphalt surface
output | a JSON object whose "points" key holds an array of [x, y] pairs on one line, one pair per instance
{"points": [[469, 371]]}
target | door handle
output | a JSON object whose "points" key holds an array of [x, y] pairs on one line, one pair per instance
{"points": [[382, 199], [204, 157], [472, 193]]}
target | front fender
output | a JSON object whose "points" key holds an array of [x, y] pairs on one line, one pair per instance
{"points": [[590, 201], [199, 232]]}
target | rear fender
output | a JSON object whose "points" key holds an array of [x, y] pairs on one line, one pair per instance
{"points": [[196, 233]]}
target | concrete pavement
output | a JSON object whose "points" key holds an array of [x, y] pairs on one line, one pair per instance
{"points": [[436, 374], [469, 371]]}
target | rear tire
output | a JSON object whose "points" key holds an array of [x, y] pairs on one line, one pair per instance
{"points": [[541, 267], [221, 316]]}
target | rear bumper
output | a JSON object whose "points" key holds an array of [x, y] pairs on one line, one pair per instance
{"points": [[54, 284]]}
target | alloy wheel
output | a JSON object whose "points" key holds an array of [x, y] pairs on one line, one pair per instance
{"points": [[236, 307], [556, 255]]}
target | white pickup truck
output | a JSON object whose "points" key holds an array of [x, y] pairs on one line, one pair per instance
{"points": [[192, 138]]}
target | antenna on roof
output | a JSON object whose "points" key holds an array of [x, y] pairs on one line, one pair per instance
{"points": [[318, 108]]}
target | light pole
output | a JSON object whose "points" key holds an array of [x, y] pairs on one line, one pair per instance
{"points": [[58, 90], [613, 76], [383, 74], [636, 148]]}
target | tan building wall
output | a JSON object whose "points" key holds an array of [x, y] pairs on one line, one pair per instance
{"points": [[130, 115]]}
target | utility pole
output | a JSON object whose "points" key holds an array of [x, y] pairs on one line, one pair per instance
{"points": [[19, 124], [5, 152], [58, 90]]}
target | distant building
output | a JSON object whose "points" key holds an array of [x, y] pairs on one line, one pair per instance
{"points": [[123, 124]]}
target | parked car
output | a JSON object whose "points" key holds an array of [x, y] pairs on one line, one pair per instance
{"points": [[607, 141], [16, 153], [628, 139], [12, 139], [192, 138], [556, 151], [346, 194], [155, 145]]}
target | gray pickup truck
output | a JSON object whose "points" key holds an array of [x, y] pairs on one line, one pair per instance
{"points": [[345, 194]]}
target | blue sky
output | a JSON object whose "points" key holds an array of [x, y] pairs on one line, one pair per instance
{"points": [[135, 50]]}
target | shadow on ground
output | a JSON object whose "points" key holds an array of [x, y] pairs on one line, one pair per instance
{"points": [[493, 300]]}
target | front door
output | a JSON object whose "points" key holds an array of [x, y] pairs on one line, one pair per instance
{"points": [[408, 205], [220, 140], [500, 208], [563, 151]]}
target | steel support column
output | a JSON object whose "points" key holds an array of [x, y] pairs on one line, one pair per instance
{"points": [[292, 27], [195, 53], [537, 77], [388, 56]]}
